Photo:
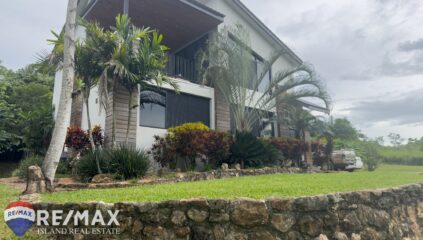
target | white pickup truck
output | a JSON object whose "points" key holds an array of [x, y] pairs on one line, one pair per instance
{"points": [[346, 159]]}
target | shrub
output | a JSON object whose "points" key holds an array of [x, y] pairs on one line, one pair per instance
{"points": [[128, 162], [188, 127], [22, 170], [87, 165], [291, 148], [250, 151], [78, 139], [191, 141], [368, 152], [272, 155], [216, 147]]}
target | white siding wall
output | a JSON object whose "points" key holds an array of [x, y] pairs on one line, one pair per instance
{"points": [[97, 115], [260, 43]]}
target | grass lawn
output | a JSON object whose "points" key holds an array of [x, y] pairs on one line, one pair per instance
{"points": [[259, 187], [8, 195]]}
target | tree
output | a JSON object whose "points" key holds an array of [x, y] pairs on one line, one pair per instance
{"points": [[343, 129], [300, 121], [226, 64], [138, 60], [55, 149], [395, 139]]}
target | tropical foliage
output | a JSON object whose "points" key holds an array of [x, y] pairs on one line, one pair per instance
{"points": [[227, 65], [26, 113], [184, 144]]}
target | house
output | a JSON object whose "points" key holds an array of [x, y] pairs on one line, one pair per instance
{"points": [[186, 25]]}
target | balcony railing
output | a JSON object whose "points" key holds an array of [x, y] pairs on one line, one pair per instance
{"points": [[181, 67]]}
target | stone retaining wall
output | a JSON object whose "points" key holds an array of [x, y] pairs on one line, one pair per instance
{"points": [[395, 214], [186, 177]]}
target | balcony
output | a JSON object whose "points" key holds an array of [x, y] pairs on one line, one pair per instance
{"points": [[181, 67]]}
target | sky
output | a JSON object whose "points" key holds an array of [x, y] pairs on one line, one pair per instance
{"points": [[368, 52]]}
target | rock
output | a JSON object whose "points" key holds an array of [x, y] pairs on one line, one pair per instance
{"points": [[156, 232], [340, 236], [249, 213], [182, 231], [238, 167], [283, 222], [35, 181], [294, 235], [280, 205], [197, 215], [225, 167], [102, 178], [355, 236], [261, 235], [322, 237], [203, 233], [310, 225], [219, 217], [178, 218], [219, 232], [137, 227]]}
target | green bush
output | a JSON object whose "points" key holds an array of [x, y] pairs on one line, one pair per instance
{"points": [[87, 166], [249, 151], [128, 162], [22, 170]]}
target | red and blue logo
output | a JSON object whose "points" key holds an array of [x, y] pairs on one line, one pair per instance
{"points": [[19, 216]]}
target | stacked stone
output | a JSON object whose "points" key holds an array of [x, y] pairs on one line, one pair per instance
{"points": [[395, 213]]}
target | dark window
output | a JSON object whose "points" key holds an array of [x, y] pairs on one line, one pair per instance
{"points": [[169, 109], [153, 109]]}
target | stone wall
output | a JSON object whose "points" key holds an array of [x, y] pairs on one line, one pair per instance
{"points": [[395, 213]]}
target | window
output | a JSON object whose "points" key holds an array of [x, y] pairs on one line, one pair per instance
{"points": [[165, 109], [153, 109], [258, 68]]}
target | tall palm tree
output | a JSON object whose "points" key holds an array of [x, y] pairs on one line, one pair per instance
{"points": [[227, 65], [138, 60], [55, 149]]}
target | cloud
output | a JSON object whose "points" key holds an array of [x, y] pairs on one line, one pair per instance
{"points": [[403, 110], [408, 46]]}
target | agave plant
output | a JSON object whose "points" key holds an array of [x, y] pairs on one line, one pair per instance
{"points": [[226, 64]]}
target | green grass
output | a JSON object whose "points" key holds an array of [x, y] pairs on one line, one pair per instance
{"points": [[8, 195], [258, 187]]}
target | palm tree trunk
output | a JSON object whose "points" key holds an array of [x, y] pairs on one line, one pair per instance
{"points": [[129, 117], [55, 149]]}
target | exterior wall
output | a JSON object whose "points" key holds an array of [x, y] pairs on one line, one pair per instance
{"points": [[389, 214], [118, 103], [223, 116], [260, 43], [145, 135], [97, 113]]}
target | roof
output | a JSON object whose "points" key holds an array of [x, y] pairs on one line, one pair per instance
{"points": [[265, 29], [84, 7], [313, 106]]}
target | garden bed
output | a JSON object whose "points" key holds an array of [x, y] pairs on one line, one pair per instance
{"points": [[182, 177], [256, 187]]}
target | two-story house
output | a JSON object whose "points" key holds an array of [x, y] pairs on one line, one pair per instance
{"points": [[186, 25]]}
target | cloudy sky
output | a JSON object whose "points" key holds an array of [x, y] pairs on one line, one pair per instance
{"points": [[369, 52]]}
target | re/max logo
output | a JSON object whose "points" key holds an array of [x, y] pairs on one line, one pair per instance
{"points": [[76, 217]]}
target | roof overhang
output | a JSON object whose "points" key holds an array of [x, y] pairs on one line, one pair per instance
{"points": [[180, 21], [313, 107]]}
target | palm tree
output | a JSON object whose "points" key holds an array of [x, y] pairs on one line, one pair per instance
{"points": [[138, 60], [55, 149], [227, 65]]}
